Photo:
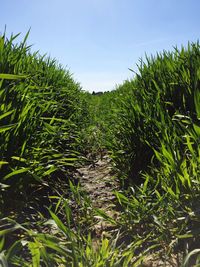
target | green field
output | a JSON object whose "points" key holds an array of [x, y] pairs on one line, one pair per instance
{"points": [[148, 128]]}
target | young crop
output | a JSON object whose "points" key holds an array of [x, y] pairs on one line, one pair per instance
{"points": [[40, 104], [149, 126]]}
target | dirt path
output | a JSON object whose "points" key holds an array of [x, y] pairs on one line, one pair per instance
{"points": [[99, 182]]}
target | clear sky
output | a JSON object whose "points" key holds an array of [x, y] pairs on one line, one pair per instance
{"points": [[98, 40]]}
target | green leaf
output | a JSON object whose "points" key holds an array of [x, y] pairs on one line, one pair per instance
{"points": [[1, 45], [18, 159], [3, 163], [187, 258], [53, 243], [145, 185], [171, 192], [7, 127], [8, 230], [6, 114], [121, 198], [35, 252], [58, 222], [197, 129], [156, 220], [185, 236], [2, 242], [12, 76], [15, 173], [50, 170], [197, 101], [103, 215], [51, 129]]}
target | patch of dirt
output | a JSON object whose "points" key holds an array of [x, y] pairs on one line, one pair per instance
{"points": [[99, 182]]}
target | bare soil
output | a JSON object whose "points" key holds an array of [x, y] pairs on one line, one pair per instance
{"points": [[99, 182]]}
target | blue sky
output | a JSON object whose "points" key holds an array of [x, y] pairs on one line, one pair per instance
{"points": [[98, 40]]}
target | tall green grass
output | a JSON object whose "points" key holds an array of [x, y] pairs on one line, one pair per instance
{"points": [[98, 124], [150, 126], [165, 88], [156, 151], [40, 107]]}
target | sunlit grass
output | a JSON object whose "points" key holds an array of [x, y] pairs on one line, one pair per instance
{"points": [[149, 126]]}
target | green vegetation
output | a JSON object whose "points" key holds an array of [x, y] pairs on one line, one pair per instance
{"points": [[150, 128], [40, 106]]}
